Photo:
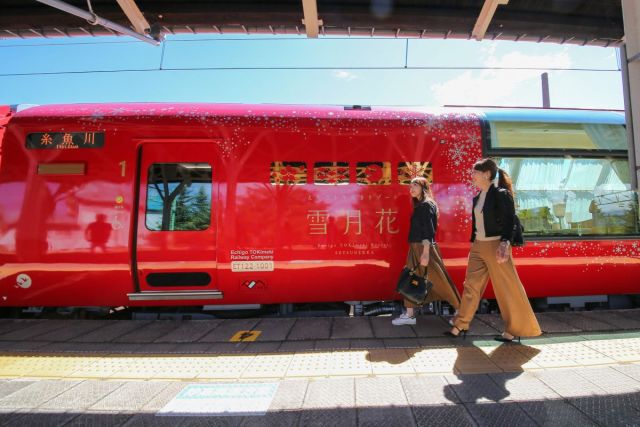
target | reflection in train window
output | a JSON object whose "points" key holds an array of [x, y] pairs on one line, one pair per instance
{"points": [[566, 196], [373, 173], [409, 170], [178, 197], [288, 173], [331, 173]]}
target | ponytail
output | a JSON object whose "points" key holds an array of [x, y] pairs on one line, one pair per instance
{"points": [[504, 181]]}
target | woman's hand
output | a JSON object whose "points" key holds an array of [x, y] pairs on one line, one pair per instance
{"points": [[502, 254], [424, 258]]}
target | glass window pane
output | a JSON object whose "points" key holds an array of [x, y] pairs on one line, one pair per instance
{"points": [[573, 197], [288, 173], [576, 136], [373, 173], [178, 197]]}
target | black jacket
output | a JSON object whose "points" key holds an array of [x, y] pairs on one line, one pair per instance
{"points": [[498, 212], [424, 222]]}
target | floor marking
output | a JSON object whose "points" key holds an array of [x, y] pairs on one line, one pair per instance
{"points": [[245, 336]]}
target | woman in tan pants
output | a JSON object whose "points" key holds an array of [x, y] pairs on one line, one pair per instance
{"points": [[424, 253], [490, 258]]}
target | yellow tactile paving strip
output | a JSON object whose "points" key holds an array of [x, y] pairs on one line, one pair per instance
{"points": [[481, 358]]}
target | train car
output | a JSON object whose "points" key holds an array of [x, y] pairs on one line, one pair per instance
{"points": [[231, 205]]}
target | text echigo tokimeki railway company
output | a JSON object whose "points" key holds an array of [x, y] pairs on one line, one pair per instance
{"points": [[107, 205]]}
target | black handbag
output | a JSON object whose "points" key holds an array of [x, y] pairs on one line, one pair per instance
{"points": [[518, 232], [413, 287]]}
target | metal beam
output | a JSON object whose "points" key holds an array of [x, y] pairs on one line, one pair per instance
{"points": [[631, 83], [130, 8], [486, 15], [94, 19], [311, 22]]}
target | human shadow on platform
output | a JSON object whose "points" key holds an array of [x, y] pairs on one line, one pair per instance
{"points": [[479, 375]]}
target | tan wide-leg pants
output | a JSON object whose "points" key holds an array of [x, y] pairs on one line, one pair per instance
{"points": [[443, 286], [512, 299]]}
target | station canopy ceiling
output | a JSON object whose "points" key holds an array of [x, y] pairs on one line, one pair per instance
{"points": [[585, 22]]}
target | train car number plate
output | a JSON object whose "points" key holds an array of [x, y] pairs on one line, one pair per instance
{"points": [[242, 266]]}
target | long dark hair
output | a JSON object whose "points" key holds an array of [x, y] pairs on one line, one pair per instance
{"points": [[427, 194], [489, 165]]}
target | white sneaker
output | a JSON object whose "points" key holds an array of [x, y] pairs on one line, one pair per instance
{"points": [[403, 319]]}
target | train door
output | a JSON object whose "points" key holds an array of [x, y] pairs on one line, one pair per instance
{"points": [[175, 241]]}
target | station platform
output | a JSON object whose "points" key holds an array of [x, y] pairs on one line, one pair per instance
{"points": [[585, 370]]}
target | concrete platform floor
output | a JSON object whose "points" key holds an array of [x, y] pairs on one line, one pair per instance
{"points": [[328, 371]]}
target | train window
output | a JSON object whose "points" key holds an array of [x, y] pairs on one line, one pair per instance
{"points": [[409, 170], [178, 197], [331, 173], [567, 136], [573, 196], [288, 173], [373, 173]]}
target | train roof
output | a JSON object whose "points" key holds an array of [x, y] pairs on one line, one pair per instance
{"points": [[321, 111]]}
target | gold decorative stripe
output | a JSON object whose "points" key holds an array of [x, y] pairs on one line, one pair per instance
{"points": [[61, 169]]}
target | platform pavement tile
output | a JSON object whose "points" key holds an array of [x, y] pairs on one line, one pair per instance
{"points": [[75, 348], [189, 331], [523, 386], [36, 366], [315, 328], [568, 383], [75, 328], [401, 342], [472, 388], [584, 323], [473, 360], [148, 333], [290, 395], [436, 360], [610, 380], [8, 387], [309, 365], [161, 398], [616, 410], [506, 414], [394, 416], [481, 329], [580, 353], [390, 361], [134, 368], [11, 325], [366, 344], [191, 348], [617, 319], [511, 358], [256, 347], [36, 329], [619, 350], [274, 329], [379, 392], [153, 420], [96, 419], [430, 326], [427, 390], [555, 413], [36, 393], [544, 356], [332, 344], [33, 418], [295, 346], [551, 324], [268, 366], [208, 421], [630, 370], [442, 416], [180, 368], [329, 393], [227, 329], [131, 396], [227, 347], [493, 320], [113, 330], [273, 419], [382, 328], [22, 346], [349, 363], [97, 367], [338, 417], [351, 327], [156, 348], [228, 367], [82, 396]]}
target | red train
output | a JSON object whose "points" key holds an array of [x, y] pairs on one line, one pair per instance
{"points": [[200, 204]]}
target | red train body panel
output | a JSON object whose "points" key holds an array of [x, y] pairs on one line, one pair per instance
{"points": [[338, 234]]}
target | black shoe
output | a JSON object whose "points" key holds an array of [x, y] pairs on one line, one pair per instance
{"points": [[500, 338], [462, 332]]}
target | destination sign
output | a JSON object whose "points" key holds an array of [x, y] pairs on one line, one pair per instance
{"points": [[65, 140]]}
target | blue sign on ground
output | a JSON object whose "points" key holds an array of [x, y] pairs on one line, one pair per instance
{"points": [[222, 399]]}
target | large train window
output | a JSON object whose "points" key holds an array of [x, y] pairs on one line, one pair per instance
{"points": [[409, 170], [178, 197], [373, 173], [288, 173], [568, 196], [570, 136]]}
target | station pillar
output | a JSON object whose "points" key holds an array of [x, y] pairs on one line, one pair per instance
{"points": [[630, 64]]}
